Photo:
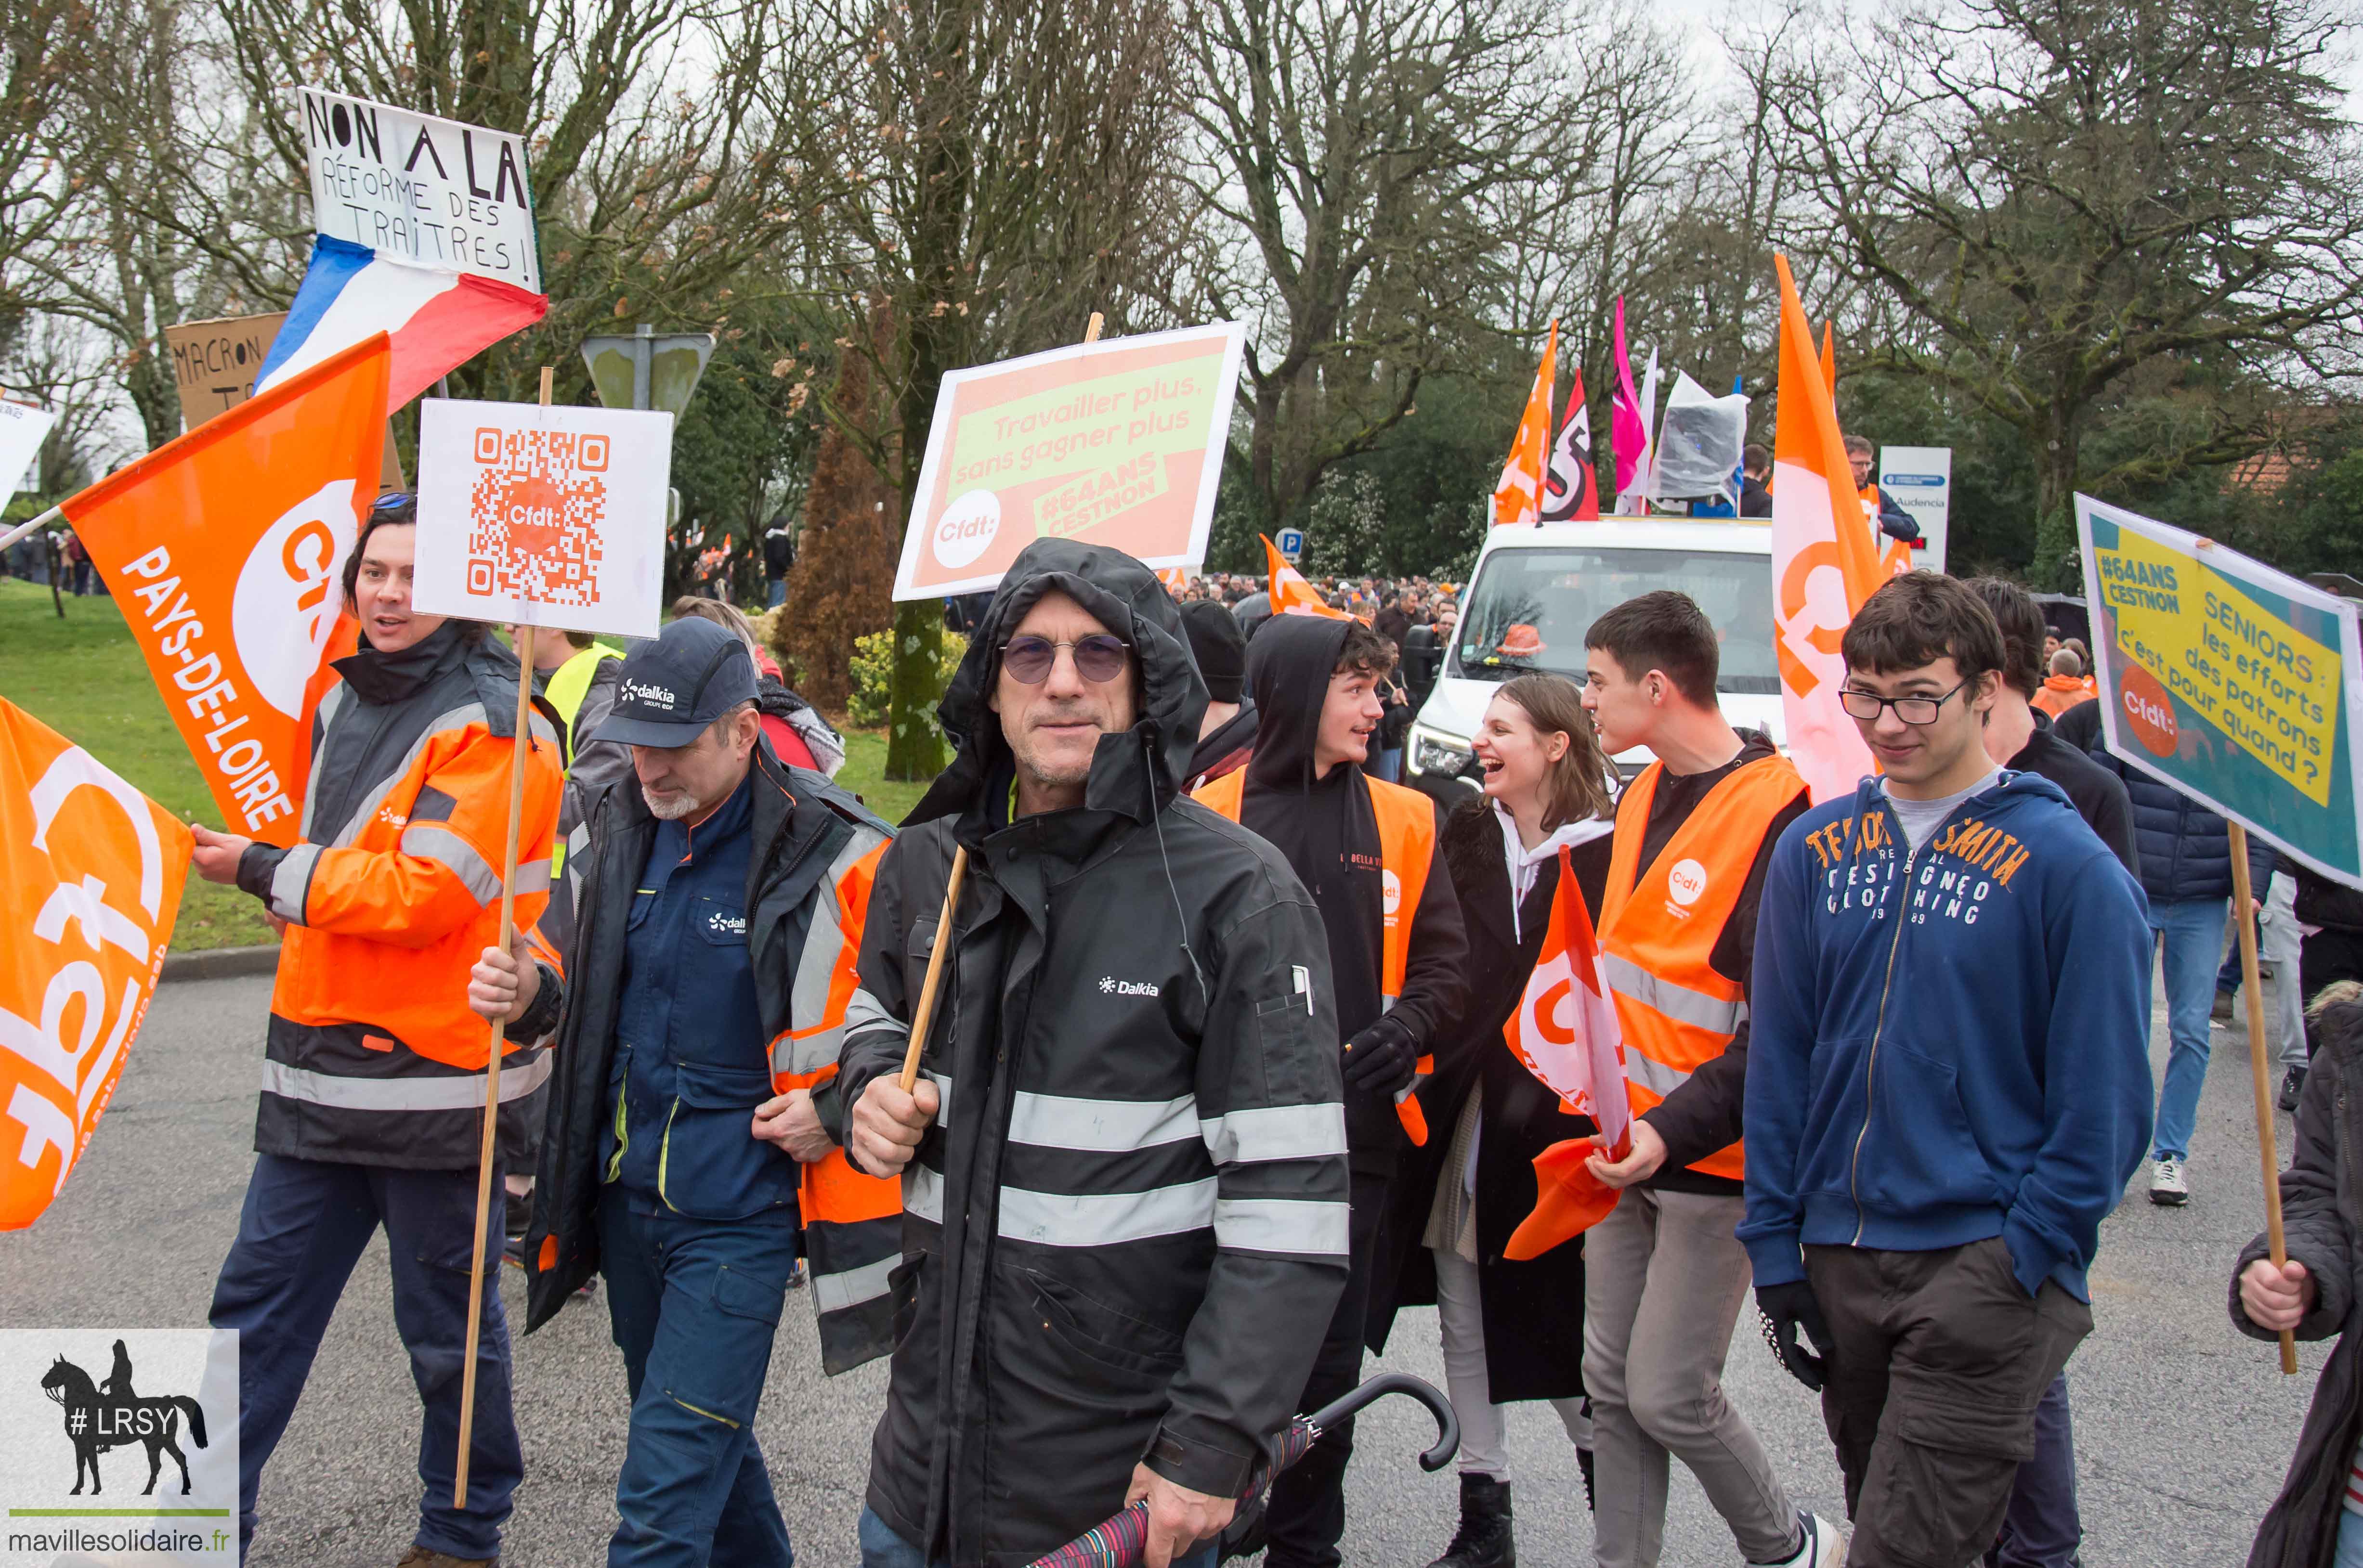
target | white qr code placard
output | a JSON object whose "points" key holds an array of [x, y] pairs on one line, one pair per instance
{"points": [[547, 517]]}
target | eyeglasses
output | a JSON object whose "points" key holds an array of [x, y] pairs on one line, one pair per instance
{"points": [[1030, 659], [393, 498], [1866, 705]]}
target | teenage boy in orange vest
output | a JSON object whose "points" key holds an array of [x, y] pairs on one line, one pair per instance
{"points": [[1368, 851], [1664, 1278]]}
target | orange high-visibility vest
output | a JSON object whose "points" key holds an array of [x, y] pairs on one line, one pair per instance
{"points": [[1658, 928], [1406, 821]]}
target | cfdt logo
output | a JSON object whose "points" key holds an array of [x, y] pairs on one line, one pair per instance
{"points": [[289, 592]]}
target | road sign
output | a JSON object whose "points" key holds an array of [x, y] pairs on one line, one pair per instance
{"points": [[1291, 544], [1921, 479], [647, 370]]}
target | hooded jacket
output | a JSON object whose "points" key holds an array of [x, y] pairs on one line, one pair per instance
{"points": [[1126, 1230], [1949, 1044], [1329, 833]]}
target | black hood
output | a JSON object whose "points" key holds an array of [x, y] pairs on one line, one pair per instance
{"points": [[1288, 666], [1133, 774]]}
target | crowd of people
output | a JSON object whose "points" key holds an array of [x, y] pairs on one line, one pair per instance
{"points": [[1126, 1092]]}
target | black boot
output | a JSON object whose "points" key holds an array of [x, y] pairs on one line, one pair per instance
{"points": [[1483, 1540]]}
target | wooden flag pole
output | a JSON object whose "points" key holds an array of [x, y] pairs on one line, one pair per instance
{"points": [[923, 1014], [2260, 1065], [519, 746]]}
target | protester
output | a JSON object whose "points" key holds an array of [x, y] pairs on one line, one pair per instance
{"points": [[373, 1071], [1367, 850], [1947, 1088], [2318, 1293], [1511, 1330], [799, 735], [778, 560], [1227, 731], [579, 675], [78, 564], [1879, 509], [2064, 688], [1058, 1356], [2331, 915], [1755, 477], [722, 900]]}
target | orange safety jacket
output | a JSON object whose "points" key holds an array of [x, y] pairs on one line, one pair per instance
{"points": [[391, 895], [1406, 821], [1658, 928]]}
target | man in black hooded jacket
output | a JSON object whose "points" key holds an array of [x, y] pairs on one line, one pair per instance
{"points": [[1371, 853], [1124, 1184]]}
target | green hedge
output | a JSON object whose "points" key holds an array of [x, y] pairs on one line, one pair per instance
{"points": [[873, 673]]}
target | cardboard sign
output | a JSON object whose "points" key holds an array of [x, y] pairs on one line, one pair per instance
{"points": [[214, 362], [92, 871], [1921, 481], [1116, 443], [431, 192], [226, 549], [547, 517], [2235, 683]]}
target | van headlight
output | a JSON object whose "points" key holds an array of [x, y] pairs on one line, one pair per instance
{"points": [[1433, 751]]}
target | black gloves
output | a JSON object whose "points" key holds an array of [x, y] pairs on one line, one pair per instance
{"points": [[1785, 1310], [1381, 1059]]}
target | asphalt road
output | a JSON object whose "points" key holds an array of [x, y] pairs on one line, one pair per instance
{"points": [[2183, 1427]]}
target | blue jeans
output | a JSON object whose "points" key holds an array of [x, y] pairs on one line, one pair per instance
{"points": [[1387, 765], [881, 1548], [302, 1230], [2042, 1529], [779, 592], [694, 1304], [2350, 1540], [2190, 931]]}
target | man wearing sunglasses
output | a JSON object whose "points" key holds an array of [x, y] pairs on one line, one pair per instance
{"points": [[1124, 1171], [1947, 1088]]}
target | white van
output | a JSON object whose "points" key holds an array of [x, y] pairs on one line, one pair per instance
{"points": [[1537, 591]]}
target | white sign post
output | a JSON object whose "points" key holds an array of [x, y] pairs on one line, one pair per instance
{"points": [[1921, 479], [431, 192]]}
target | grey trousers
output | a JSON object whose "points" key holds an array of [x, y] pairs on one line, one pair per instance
{"points": [[1664, 1280]]}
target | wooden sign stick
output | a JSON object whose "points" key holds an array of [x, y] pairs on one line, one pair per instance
{"points": [[2259, 1066], [519, 746], [925, 1013]]}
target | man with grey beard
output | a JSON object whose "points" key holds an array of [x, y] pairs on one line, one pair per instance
{"points": [[719, 896]]}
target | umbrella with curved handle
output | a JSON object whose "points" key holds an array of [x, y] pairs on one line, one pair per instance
{"points": [[1123, 1541]]}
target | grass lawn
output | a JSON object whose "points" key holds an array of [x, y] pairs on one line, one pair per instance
{"points": [[83, 678]]}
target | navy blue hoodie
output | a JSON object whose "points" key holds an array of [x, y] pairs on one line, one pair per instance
{"points": [[1949, 1045]]}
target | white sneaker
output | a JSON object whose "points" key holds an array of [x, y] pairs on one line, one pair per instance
{"points": [[2167, 1184], [1824, 1545]]}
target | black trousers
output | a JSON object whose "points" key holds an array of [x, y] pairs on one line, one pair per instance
{"points": [[1307, 1514], [2330, 953]]}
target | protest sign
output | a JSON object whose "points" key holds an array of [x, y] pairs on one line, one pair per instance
{"points": [[214, 362], [2234, 683], [93, 872], [1116, 443], [430, 191], [226, 549], [1921, 479], [546, 516], [23, 427]]}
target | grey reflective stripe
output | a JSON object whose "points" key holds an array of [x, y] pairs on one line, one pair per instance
{"points": [[533, 876], [1276, 1132], [466, 714], [835, 1292], [323, 718], [1678, 1002], [923, 1192], [1100, 1126], [290, 881], [457, 1093], [1283, 1225], [433, 841], [1100, 1219], [866, 1012], [1652, 1075], [817, 969]]}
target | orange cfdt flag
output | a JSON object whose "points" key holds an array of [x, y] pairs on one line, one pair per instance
{"points": [[226, 550], [1822, 563], [1290, 594], [1518, 497], [89, 874]]}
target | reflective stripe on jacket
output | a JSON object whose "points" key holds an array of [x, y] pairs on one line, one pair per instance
{"points": [[1658, 928], [1406, 821]]}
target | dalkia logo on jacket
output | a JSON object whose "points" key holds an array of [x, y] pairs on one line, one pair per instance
{"points": [[725, 924], [1112, 987]]}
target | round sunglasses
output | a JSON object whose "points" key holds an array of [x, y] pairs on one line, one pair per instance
{"points": [[1030, 659]]}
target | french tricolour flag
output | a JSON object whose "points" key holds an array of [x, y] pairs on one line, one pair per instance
{"points": [[437, 320]]}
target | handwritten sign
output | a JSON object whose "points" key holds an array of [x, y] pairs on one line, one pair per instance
{"points": [[427, 191], [214, 362], [1116, 443], [2233, 682]]}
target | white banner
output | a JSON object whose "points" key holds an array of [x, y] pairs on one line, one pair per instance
{"points": [[23, 427], [547, 517], [430, 191]]}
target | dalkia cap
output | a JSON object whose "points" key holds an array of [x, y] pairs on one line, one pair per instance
{"points": [[672, 687]]}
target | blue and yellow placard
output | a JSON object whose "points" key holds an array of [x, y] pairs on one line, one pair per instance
{"points": [[2233, 682]]}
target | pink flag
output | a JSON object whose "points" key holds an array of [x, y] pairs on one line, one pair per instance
{"points": [[1627, 431]]}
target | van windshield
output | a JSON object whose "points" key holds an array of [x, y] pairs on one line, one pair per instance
{"points": [[1528, 610]]}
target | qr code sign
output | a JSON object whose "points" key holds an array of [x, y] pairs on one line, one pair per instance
{"points": [[536, 513]]}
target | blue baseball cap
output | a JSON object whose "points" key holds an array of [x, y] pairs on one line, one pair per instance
{"points": [[674, 685]]}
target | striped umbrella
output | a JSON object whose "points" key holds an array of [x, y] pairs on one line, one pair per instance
{"points": [[1122, 1542]]}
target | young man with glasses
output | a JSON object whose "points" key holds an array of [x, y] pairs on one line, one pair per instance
{"points": [[1948, 1085]]}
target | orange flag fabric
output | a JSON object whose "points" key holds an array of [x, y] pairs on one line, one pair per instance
{"points": [[1290, 594], [1822, 563], [90, 873], [1519, 497], [226, 550], [1564, 1031]]}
